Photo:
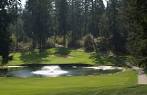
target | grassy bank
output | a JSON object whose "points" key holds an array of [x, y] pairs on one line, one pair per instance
{"points": [[117, 84], [52, 56], [64, 56]]}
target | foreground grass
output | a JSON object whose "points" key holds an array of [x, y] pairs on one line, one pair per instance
{"points": [[52, 56], [117, 84]]}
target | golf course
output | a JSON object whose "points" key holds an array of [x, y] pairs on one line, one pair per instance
{"points": [[123, 83], [73, 47]]}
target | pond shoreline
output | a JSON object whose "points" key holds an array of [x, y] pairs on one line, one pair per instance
{"points": [[40, 65], [53, 70]]}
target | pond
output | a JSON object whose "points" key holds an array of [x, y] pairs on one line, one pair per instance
{"points": [[57, 70]]}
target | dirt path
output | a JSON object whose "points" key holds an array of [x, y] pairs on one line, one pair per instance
{"points": [[142, 77]]}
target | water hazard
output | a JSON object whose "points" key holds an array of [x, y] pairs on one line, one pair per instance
{"points": [[56, 71]]}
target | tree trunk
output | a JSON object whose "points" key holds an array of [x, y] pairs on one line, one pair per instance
{"points": [[65, 42]]}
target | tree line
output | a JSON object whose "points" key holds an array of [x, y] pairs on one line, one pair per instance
{"points": [[119, 27]]}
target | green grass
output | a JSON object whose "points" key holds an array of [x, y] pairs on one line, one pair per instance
{"points": [[65, 56], [123, 83], [52, 56]]}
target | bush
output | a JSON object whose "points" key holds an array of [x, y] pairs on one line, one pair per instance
{"points": [[59, 40], [102, 44], [50, 43], [76, 44], [62, 51], [89, 43]]}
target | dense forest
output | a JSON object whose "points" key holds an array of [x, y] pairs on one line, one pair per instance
{"points": [[120, 27]]}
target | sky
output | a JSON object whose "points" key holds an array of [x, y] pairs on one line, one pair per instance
{"points": [[23, 2]]}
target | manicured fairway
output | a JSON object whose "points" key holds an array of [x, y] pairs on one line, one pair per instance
{"points": [[117, 84]]}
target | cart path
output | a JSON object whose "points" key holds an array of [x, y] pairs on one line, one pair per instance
{"points": [[142, 77]]}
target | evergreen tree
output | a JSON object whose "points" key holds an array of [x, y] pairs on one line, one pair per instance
{"points": [[76, 22], [136, 17], [37, 21], [61, 11], [8, 11], [96, 13], [117, 36]]}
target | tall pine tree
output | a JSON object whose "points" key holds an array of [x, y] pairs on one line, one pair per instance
{"points": [[8, 11]]}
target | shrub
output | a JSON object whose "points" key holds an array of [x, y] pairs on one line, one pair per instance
{"points": [[59, 40], [102, 44], [50, 43], [76, 43], [62, 51], [89, 43]]}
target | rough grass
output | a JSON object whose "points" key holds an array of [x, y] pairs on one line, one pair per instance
{"points": [[52, 56], [116, 84]]}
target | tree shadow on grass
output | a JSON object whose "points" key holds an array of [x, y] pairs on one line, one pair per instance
{"points": [[98, 58], [33, 57], [101, 59], [64, 52]]}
